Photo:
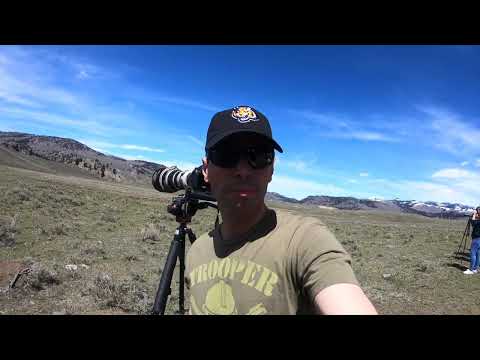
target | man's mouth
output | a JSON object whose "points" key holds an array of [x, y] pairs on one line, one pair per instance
{"points": [[244, 191]]}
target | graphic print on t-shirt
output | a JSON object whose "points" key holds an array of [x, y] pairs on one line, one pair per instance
{"points": [[241, 275]]}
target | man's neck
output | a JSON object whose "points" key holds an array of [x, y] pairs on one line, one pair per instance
{"points": [[236, 225]]}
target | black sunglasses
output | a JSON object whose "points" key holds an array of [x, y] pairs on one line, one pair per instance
{"points": [[258, 157]]}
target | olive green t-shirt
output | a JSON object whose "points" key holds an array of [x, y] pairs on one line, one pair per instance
{"points": [[278, 267]]}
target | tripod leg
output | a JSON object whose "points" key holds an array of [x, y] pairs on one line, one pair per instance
{"points": [[164, 289], [181, 290], [467, 232], [463, 241], [181, 255]]}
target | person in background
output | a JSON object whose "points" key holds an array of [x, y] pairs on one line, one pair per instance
{"points": [[475, 246]]}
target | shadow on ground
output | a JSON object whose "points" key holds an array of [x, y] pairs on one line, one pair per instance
{"points": [[458, 266]]}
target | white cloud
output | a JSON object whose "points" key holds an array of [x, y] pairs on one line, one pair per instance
{"points": [[299, 165], [299, 188], [15, 99], [16, 88], [182, 165], [339, 127], [34, 78], [103, 151], [98, 145], [352, 181], [137, 147], [80, 68], [477, 162], [196, 140], [187, 102], [450, 132], [56, 120], [7, 128], [452, 174], [83, 75], [137, 157], [363, 174], [153, 97], [367, 136], [465, 163], [94, 144], [129, 157]]}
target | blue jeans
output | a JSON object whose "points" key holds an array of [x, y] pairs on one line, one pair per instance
{"points": [[474, 254]]}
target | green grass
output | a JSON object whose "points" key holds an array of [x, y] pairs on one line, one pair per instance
{"points": [[122, 235]]}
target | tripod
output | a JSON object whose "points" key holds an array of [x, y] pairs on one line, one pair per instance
{"points": [[463, 242], [183, 207]]}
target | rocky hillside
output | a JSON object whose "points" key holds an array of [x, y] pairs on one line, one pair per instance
{"points": [[75, 154], [273, 196]]}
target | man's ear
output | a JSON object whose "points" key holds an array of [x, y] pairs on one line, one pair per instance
{"points": [[205, 169]]}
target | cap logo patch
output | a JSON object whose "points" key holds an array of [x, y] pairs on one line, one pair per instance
{"points": [[244, 114]]}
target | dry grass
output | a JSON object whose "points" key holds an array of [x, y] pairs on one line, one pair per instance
{"points": [[121, 234]]}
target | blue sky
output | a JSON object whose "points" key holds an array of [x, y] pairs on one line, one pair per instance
{"points": [[365, 121]]}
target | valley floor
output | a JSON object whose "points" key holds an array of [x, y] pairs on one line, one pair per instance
{"points": [[119, 235]]}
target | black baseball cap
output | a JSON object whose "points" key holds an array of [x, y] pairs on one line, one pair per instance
{"points": [[236, 120]]}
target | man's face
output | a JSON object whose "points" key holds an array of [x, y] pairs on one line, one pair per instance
{"points": [[240, 188]]}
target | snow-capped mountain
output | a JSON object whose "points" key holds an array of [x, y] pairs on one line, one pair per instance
{"points": [[436, 208], [426, 208]]}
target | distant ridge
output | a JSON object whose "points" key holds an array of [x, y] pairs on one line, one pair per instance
{"points": [[62, 155]]}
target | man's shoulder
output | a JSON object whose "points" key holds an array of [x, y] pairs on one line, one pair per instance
{"points": [[290, 218], [204, 240], [298, 229]]}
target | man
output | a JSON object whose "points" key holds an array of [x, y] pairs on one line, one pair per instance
{"points": [[261, 261], [475, 246]]}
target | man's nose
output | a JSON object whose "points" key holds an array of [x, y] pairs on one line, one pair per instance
{"points": [[243, 168]]}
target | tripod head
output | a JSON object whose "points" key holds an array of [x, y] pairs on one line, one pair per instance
{"points": [[185, 206]]}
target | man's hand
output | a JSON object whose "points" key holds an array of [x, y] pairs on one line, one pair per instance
{"points": [[344, 299]]}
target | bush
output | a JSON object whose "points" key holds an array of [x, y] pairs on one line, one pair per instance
{"points": [[19, 194], [59, 229], [41, 277], [67, 200], [124, 294], [108, 217], [152, 232], [8, 228]]}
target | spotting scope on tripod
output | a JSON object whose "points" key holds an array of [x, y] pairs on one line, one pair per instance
{"points": [[197, 196]]}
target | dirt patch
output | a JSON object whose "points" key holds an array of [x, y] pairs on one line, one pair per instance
{"points": [[327, 207], [8, 270]]}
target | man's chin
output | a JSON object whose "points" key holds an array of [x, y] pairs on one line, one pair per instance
{"points": [[246, 203]]}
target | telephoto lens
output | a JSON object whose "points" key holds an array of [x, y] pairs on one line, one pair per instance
{"points": [[171, 179]]}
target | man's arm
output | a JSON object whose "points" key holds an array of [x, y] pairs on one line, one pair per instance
{"points": [[344, 299]]}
